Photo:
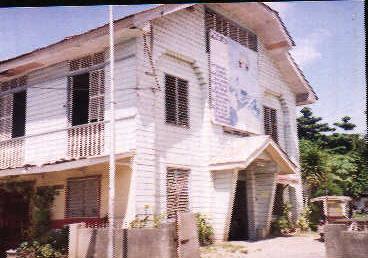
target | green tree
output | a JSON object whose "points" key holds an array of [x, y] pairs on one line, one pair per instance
{"points": [[334, 164], [343, 143], [345, 124], [310, 127], [314, 170]]}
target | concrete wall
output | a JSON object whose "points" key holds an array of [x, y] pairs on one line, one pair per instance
{"points": [[131, 243], [341, 243]]}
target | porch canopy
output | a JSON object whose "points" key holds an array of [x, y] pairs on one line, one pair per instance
{"points": [[240, 153]]}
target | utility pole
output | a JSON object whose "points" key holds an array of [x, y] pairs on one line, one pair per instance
{"points": [[111, 215]]}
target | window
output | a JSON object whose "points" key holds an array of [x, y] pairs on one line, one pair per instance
{"points": [[19, 114], [13, 110], [86, 92], [177, 191], [229, 29], [270, 123], [176, 101], [83, 196]]}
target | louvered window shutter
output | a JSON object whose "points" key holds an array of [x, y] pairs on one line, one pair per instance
{"points": [[6, 111], [177, 191], [182, 108], [96, 96], [270, 122], [176, 101], [70, 99], [75, 192], [170, 99], [83, 198], [91, 189], [229, 29]]}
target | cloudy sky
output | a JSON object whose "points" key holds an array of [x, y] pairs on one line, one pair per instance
{"points": [[329, 48]]}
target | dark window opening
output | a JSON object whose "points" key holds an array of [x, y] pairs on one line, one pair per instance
{"points": [[176, 101], [80, 96], [270, 123], [19, 114]]}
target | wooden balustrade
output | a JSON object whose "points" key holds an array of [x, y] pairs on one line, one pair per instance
{"points": [[11, 153], [86, 140]]}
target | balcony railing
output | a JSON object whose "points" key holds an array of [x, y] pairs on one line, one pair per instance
{"points": [[86, 140], [11, 153]]}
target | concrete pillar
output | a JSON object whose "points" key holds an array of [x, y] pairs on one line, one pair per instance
{"points": [[333, 240], [73, 239]]}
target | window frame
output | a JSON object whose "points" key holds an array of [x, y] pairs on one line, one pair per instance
{"points": [[67, 195], [179, 122], [19, 85], [244, 36], [94, 64], [274, 134]]}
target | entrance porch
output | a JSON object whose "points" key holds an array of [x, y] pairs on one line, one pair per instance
{"points": [[244, 187]]}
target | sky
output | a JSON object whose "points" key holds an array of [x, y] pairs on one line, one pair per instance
{"points": [[329, 39]]}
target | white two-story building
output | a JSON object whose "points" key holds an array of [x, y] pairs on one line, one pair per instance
{"points": [[206, 99]]}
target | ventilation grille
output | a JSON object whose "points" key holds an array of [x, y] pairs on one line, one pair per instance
{"points": [[177, 191], [13, 84], [230, 29], [176, 101], [87, 61], [270, 123]]}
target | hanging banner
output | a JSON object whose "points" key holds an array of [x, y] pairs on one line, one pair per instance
{"points": [[235, 94]]}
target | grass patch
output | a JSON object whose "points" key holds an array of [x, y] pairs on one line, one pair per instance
{"points": [[224, 248]]}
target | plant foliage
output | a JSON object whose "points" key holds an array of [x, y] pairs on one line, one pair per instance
{"points": [[205, 230]]}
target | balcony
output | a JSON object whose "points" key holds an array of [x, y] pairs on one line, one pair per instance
{"points": [[86, 140], [12, 153], [54, 145]]}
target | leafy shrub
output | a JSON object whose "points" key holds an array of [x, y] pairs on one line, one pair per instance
{"points": [[205, 230], [59, 239], [303, 222], [283, 224], [38, 250]]}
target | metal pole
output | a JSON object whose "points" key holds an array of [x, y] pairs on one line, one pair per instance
{"points": [[111, 215]]}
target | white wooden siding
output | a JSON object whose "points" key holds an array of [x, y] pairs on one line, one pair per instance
{"points": [[46, 119]]}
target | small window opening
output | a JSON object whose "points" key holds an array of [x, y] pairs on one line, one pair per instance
{"points": [[80, 93], [19, 114]]}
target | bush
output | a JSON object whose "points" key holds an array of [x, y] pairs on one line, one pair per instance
{"points": [[38, 250], [303, 222], [59, 239], [205, 230], [283, 224]]}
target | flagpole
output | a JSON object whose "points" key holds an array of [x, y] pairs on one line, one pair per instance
{"points": [[111, 215]]}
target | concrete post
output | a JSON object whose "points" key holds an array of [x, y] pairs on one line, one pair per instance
{"points": [[73, 239], [333, 240]]}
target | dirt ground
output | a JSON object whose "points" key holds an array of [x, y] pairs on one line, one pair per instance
{"points": [[306, 246]]}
